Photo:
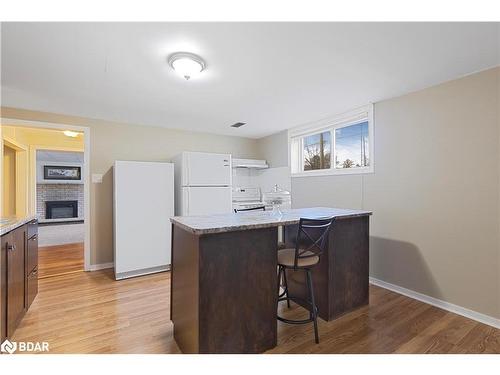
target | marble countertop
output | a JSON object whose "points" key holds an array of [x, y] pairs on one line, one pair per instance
{"points": [[258, 219], [8, 224]]}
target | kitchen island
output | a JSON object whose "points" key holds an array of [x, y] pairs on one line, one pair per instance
{"points": [[224, 276]]}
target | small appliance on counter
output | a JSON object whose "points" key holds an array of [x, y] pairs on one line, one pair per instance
{"points": [[277, 198]]}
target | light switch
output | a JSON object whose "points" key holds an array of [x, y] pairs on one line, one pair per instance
{"points": [[96, 178]]}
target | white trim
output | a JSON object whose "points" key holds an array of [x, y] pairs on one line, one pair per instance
{"points": [[330, 124], [86, 177], [101, 266], [471, 314], [143, 272], [339, 121], [333, 172]]}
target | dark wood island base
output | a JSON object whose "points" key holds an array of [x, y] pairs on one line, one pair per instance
{"points": [[341, 278], [224, 277], [223, 297]]}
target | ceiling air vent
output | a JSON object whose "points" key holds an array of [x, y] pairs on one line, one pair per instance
{"points": [[238, 124]]}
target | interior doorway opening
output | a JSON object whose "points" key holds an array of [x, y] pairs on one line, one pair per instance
{"points": [[59, 209], [56, 190]]}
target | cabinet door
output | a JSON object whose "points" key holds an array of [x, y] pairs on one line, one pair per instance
{"points": [[6, 238], [32, 253], [32, 287], [15, 279]]}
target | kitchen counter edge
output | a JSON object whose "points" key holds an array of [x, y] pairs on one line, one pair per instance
{"points": [[14, 224]]}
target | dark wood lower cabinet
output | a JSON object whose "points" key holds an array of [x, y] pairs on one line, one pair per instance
{"points": [[5, 239], [341, 278], [18, 276], [32, 287], [16, 279]]}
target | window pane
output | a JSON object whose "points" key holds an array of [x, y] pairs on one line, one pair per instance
{"points": [[351, 146], [317, 149]]}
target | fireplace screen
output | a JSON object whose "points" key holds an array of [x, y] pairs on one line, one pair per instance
{"points": [[61, 209]]}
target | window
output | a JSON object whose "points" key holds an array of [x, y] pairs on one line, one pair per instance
{"points": [[317, 151], [342, 145], [351, 146]]}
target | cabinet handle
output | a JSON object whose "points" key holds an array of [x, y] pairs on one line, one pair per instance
{"points": [[11, 247], [34, 237]]}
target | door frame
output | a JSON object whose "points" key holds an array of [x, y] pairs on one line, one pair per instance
{"points": [[86, 167], [22, 167]]}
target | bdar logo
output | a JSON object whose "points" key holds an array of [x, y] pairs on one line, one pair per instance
{"points": [[8, 347]]}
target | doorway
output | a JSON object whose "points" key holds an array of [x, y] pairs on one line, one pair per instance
{"points": [[59, 209], [57, 191]]}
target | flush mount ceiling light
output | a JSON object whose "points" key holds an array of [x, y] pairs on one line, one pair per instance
{"points": [[186, 64], [69, 133]]}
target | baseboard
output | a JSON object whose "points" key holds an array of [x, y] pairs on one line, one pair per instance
{"points": [[474, 315], [142, 272], [101, 266]]}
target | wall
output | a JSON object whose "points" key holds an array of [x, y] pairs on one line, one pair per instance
{"points": [[271, 148], [34, 137], [434, 192], [115, 141], [9, 182], [41, 137]]}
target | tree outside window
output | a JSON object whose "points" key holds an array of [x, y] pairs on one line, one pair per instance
{"points": [[317, 151]]}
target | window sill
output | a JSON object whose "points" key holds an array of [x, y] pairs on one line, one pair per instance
{"points": [[333, 172]]}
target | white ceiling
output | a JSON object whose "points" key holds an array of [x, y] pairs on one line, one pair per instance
{"points": [[272, 76], [59, 156]]}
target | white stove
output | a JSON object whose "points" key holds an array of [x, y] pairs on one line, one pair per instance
{"points": [[247, 197]]}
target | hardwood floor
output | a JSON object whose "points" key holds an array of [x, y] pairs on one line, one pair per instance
{"points": [[90, 312], [60, 259]]}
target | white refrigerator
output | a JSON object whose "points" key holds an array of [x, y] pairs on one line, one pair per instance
{"points": [[203, 183], [143, 205]]}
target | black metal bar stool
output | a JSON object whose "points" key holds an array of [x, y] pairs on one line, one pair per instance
{"points": [[310, 244]]}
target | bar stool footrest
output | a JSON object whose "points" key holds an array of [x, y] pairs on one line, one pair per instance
{"points": [[289, 321]]}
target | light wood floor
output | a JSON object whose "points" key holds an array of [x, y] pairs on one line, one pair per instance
{"points": [[90, 312], [60, 259]]}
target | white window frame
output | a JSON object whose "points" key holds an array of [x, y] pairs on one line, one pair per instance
{"points": [[296, 139]]}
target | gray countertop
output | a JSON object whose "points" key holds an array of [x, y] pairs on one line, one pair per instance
{"points": [[8, 224], [258, 219]]}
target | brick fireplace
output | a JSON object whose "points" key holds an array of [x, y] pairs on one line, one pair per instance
{"points": [[70, 196]]}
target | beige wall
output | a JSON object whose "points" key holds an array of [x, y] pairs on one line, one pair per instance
{"points": [[271, 148], [434, 193], [113, 141]]}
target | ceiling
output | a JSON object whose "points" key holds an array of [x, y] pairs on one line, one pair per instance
{"points": [[60, 156], [273, 76]]}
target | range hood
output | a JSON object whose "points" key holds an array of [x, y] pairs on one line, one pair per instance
{"points": [[250, 163]]}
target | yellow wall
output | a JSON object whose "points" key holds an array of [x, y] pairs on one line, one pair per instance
{"points": [[25, 160], [41, 137], [112, 141], [9, 182]]}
